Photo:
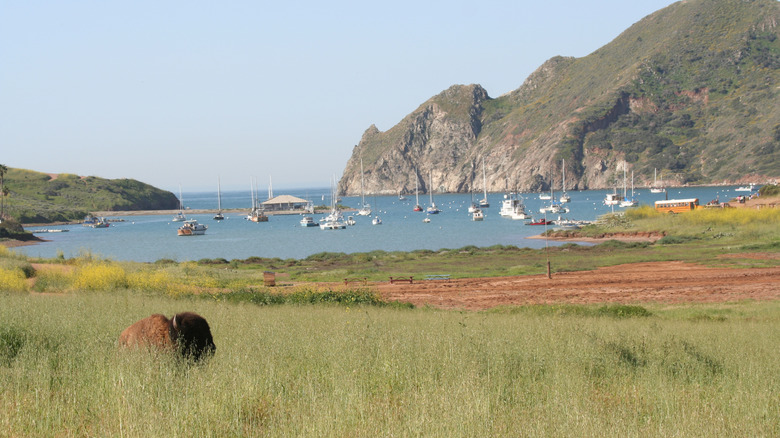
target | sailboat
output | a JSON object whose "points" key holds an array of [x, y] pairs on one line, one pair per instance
{"points": [[547, 196], [219, 216], [655, 188], [416, 194], [180, 216], [256, 214], [484, 202], [628, 202], [365, 210], [335, 220], [432, 209], [564, 196]]}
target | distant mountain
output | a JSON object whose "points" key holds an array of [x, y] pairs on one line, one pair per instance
{"points": [[691, 90], [36, 197]]}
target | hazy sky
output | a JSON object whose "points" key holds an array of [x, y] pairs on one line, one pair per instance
{"points": [[175, 92]]}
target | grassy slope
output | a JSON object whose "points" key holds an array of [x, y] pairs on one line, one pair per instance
{"points": [[37, 197]]}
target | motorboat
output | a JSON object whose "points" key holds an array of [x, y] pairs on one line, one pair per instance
{"points": [[554, 208], [748, 188], [350, 221], [477, 215], [191, 227], [512, 205], [308, 221], [612, 199], [540, 222], [427, 220], [376, 221], [100, 222], [333, 225]]}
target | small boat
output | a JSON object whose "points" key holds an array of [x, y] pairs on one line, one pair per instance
{"points": [[477, 215], [219, 216], [628, 202], [350, 221], [100, 222], [376, 221], [656, 188], [416, 195], [540, 222], [365, 210], [308, 221], [179, 217], [483, 203], [612, 199], [512, 206], [748, 188], [427, 220], [432, 209], [564, 196], [191, 227], [257, 215], [554, 208], [333, 225], [401, 197]]}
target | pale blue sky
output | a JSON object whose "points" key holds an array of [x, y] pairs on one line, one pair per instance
{"points": [[179, 92]]}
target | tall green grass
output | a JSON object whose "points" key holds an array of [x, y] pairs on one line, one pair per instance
{"points": [[365, 371]]}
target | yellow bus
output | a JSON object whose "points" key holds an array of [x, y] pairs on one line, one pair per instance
{"points": [[677, 205]]}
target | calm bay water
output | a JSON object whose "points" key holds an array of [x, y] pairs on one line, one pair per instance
{"points": [[150, 238]]}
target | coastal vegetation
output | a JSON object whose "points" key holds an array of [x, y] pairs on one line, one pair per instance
{"points": [[313, 357], [35, 197]]}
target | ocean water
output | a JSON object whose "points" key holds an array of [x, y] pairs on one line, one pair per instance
{"points": [[150, 238]]}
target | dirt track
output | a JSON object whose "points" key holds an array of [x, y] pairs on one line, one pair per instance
{"points": [[670, 282]]}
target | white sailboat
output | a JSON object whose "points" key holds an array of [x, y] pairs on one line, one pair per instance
{"points": [[365, 209], [564, 196], [628, 202], [335, 220], [655, 188], [219, 216], [432, 209], [180, 215], [417, 206], [256, 213], [484, 202]]}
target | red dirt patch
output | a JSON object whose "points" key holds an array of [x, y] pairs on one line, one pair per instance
{"points": [[665, 282]]}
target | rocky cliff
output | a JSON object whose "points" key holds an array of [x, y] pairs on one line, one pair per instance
{"points": [[690, 90]]}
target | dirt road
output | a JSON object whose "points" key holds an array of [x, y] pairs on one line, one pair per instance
{"points": [[671, 282]]}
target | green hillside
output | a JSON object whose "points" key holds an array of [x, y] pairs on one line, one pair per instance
{"points": [[36, 197], [691, 90]]}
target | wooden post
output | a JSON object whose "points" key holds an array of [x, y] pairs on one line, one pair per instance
{"points": [[549, 274]]}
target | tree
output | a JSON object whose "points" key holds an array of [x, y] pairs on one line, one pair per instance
{"points": [[3, 190]]}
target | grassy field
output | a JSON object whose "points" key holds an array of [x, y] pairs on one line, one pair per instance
{"points": [[319, 362], [302, 370]]}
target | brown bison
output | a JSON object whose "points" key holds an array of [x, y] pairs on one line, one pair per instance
{"points": [[187, 333]]}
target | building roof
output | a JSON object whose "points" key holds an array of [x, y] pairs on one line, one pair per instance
{"points": [[285, 199]]}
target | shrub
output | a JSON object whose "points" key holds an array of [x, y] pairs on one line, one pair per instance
{"points": [[100, 277], [12, 280]]}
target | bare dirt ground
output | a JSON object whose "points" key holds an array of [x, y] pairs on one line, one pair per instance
{"points": [[663, 282]]}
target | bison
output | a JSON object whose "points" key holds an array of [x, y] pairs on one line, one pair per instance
{"points": [[187, 333]]}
